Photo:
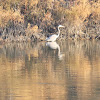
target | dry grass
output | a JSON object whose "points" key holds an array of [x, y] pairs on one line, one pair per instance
{"points": [[9, 15], [47, 12], [79, 15]]}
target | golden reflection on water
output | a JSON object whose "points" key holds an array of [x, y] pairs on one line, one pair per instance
{"points": [[37, 71]]}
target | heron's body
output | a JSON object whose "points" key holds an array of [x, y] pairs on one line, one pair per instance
{"points": [[53, 38]]}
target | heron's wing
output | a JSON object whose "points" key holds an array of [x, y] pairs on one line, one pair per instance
{"points": [[52, 37]]}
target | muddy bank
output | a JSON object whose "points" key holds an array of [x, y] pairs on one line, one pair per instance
{"points": [[18, 32]]}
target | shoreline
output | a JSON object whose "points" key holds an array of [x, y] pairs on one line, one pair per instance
{"points": [[38, 39], [17, 32]]}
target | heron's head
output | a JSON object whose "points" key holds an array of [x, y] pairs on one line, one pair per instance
{"points": [[61, 26]]}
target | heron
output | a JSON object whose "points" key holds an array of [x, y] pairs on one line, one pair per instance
{"points": [[53, 37]]}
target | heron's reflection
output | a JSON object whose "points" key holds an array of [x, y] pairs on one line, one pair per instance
{"points": [[54, 45]]}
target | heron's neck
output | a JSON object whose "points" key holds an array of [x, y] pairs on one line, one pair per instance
{"points": [[58, 31]]}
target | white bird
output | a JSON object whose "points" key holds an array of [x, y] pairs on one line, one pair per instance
{"points": [[53, 38]]}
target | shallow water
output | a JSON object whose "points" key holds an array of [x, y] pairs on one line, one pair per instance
{"points": [[50, 71]]}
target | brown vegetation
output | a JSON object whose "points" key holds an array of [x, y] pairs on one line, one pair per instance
{"points": [[79, 16]]}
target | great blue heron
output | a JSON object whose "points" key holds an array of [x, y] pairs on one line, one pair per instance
{"points": [[53, 37]]}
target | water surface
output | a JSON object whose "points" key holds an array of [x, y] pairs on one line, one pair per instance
{"points": [[50, 71]]}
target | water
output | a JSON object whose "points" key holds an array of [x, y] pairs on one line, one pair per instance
{"points": [[50, 71]]}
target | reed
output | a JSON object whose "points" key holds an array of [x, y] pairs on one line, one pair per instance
{"points": [[76, 15]]}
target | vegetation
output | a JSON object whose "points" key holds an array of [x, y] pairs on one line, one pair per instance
{"points": [[79, 16]]}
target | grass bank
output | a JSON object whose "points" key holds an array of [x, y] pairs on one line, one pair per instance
{"points": [[35, 19]]}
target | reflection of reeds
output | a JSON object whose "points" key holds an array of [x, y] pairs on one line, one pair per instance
{"points": [[42, 75]]}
